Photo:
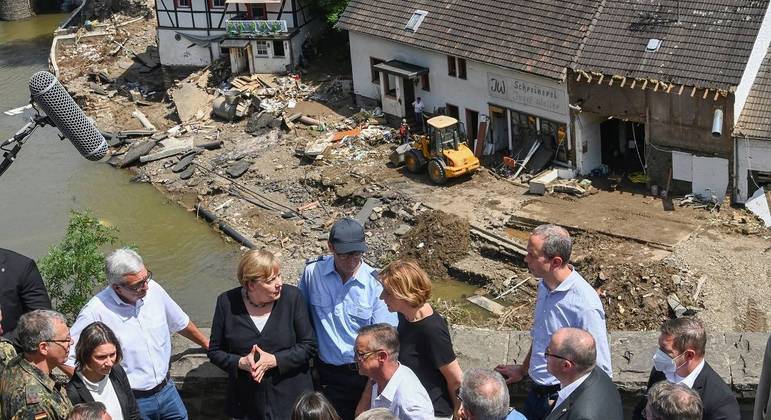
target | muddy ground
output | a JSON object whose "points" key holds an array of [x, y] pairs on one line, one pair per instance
{"points": [[718, 268]]}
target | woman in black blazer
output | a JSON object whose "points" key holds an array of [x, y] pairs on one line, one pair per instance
{"points": [[262, 337], [99, 375]]}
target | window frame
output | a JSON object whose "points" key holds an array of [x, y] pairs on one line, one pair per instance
{"points": [[283, 49], [425, 84], [461, 66], [387, 87], [250, 11], [373, 61], [257, 48], [178, 4], [214, 6], [450, 106], [452, 70]]}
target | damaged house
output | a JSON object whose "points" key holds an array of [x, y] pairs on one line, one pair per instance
{"points": [[265, 36], [595, 86]]}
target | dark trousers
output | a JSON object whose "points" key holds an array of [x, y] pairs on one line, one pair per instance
{"points": [[539, 401], [342, 385]]}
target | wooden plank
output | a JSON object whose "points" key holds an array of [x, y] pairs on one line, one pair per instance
{"points": [[487, 304], [481, 136]]}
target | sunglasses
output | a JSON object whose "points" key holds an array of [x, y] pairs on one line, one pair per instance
{"points": [[140, 284]]}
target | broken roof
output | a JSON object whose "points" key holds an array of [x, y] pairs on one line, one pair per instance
{"points": [[534, 36], [755, 119], [707, 46]]}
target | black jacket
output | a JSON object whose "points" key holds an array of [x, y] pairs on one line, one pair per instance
{"points": [[78, 392], [288, 335], [596, 398], [718, 399], [21, 290]]}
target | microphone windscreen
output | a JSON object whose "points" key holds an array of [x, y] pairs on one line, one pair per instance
{"points": [[50, 95]]}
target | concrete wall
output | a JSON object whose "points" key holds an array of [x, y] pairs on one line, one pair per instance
{"points": [[588, 148], [15, 9], [752, 155], [472, 93], [737, 357]]}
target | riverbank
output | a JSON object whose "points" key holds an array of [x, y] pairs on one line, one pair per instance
{"points": [[280, 181]]}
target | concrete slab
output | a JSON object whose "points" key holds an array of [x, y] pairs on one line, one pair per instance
{"points": [[188, 100], [481, 348], [631, 354], [617, 213], [746, 361]]}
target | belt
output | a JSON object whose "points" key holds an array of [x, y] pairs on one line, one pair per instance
{"points": [[152, 391], [346, 367], [544, 390]]}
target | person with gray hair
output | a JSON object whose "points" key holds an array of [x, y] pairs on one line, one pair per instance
{"points": [[27, 389], [143, 316], [484, 395], [586, 392], [680, 360], [391, 384], [93, 410], [377, 414], [668, 401], [564, 299]]}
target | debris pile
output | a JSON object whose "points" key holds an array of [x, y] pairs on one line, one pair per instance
{"points": [[437, 240]]}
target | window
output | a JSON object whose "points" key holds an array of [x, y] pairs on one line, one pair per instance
{"points": [[390, 85], [217, 4], [415, 20], [184, 3], [424, 82], [375, 74], [451, 66], [453, 111], [261, 48], [257, 11], [278, 48], [461, 68]]}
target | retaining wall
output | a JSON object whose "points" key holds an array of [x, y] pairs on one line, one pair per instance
{"points": [[15, 9], [737, 357]]}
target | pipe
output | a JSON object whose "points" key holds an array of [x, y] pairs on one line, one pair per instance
{"points": [[223, 226]]}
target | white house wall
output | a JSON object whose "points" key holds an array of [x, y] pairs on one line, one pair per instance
{"points": [[472, 93], [752, 155], [184, 52], [588, 141]]}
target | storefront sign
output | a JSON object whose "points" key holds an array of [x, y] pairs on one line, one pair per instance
{"points": [[527, 93]]}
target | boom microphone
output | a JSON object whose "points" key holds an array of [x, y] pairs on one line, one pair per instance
{"points": [[66, 115]]}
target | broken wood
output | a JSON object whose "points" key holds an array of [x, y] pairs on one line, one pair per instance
{"points": [[516, 286], [171, 151], [143, 119], [308, 120]]}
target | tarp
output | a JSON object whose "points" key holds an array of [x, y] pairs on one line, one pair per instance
{"points": [[201, 40]]}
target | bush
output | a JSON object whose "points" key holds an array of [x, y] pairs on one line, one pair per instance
{"points": [[74, 269]]}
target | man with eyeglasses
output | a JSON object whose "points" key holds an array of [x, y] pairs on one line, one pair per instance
{"points": [[586, 391], [564, 299], [143, 316], [680, 360], [393, 385], [343, 295], [27, 389]]}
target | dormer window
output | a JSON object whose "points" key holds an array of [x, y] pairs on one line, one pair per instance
{"points": [[415, 20]]}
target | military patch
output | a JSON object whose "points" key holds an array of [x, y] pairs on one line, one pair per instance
{"points": [[32, 397], [41, 415], [313, 260]]}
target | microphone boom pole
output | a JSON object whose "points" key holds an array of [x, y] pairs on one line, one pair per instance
{"points": [[18, 140]]}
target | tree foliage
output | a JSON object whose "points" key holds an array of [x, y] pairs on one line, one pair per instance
{"points": [[74, 269], [332, 9]]}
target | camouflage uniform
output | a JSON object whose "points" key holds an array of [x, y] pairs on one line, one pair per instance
{"points": [[27, 394], [7, 352]]}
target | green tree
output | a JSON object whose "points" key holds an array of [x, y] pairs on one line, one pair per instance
{"points": [[332, 9], [74, 269]]}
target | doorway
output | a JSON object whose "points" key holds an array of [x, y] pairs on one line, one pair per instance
{"points": [[409, 98], [499, 129], [623, 145], [472, 126]]}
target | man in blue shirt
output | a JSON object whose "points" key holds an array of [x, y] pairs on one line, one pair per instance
{"points": [[564, 299], [343, 295]]}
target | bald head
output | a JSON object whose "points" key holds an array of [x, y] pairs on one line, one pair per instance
{"points": [[576, 346]]}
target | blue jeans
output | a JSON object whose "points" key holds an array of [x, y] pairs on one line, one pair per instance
{"points": [[537, 406], [165, 405]]}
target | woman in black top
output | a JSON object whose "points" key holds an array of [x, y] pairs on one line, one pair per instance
{"points": [[99, 375], [424, 340], [262, 337]]}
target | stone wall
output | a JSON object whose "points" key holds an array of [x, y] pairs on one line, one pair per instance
{"points": [[15, 9], [737, 357]]}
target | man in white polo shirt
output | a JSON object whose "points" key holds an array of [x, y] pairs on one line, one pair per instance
{"points": [[394, 386], [143, 316]]}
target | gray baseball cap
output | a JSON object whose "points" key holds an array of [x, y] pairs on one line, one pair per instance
{"points": [[347, 235]]}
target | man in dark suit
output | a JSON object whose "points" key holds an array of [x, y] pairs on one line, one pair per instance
{"points": [[680, 360], [21, 290], [586, 391]]}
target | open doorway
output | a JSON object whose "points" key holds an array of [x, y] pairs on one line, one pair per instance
{"points": [[623, 145], [499, 128], [472, 126]]}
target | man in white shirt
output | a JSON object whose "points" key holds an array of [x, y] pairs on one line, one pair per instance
{"points": [[418, 106], [586, 391], [143, 316], [394, 386]]}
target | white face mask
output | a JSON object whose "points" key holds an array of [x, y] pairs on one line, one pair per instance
{"points": [[663, 363]]}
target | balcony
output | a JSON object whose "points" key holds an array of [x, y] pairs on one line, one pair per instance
{"points": [[255, 28]]}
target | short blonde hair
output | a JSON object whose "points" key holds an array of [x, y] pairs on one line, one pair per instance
{"points": [[256, 265], [405, 280]]}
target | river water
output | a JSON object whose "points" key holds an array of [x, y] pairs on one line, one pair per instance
{"points": [[49, 178]]}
